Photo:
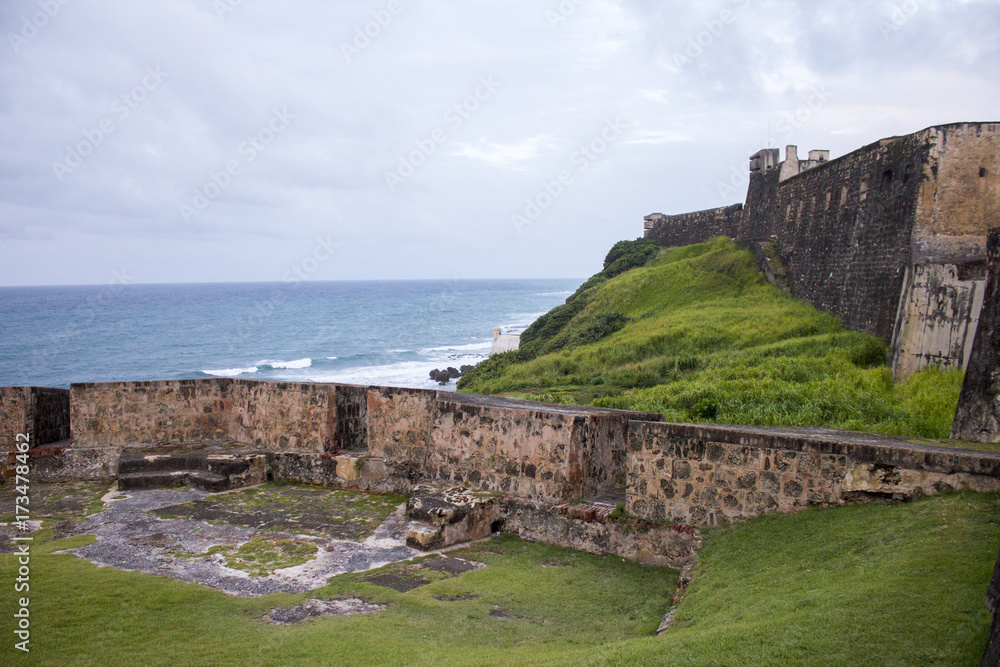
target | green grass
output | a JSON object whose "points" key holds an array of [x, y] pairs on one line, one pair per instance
{"points": [[898, 584], [263, 555], [697, 334]]}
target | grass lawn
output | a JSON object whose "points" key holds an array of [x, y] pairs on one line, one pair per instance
{"points": [[898, 584], [697, 334]]}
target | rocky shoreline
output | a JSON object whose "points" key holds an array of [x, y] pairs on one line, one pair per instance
{"points": [[449, 373]]}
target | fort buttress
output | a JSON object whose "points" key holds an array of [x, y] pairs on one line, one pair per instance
{"points": [[890, 238]]}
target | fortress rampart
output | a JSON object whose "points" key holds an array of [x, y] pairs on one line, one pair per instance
{"points": [[890, 238], [978, 415], [535, 455]]}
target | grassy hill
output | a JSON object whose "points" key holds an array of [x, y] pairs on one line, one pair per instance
{"points": [[697, 334]]}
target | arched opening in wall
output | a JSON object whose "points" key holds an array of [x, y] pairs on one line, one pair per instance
{"points": [[982, 172], [829, 198], [863, 190], [843, 195], [887, 179]]}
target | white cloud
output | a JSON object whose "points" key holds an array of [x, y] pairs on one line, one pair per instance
{"points": [[506, 156], [354, 120]]}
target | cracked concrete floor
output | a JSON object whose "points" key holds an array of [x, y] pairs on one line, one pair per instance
{"points": [[131, 537]]}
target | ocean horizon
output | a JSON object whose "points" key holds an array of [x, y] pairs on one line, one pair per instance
{"points": [[378, 332]]}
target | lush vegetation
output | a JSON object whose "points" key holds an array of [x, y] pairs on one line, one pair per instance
{"points": [[892, 584], [697, 334]]}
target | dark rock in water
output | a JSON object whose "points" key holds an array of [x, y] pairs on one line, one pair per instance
{"points": [[440, 376], [443, 376]]}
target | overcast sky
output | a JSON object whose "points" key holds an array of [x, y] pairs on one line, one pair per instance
{"points": [[236, 140]]}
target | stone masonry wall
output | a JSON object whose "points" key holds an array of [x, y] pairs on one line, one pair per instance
{"points": [[680, 473], [274, 416], [14, 406], [399, 422], [533, 454], [284, 416], [849, 228], [844, 229], [40, 411], [706, 475], [978, 415], [938, 316], [117, 414], [694, 227], [527, 449], [51, 415]]}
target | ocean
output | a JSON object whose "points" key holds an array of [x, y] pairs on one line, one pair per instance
{"points": [[364, 332]]}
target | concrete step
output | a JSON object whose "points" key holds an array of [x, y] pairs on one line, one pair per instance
{"points": [[140, 461], [199, 479]]}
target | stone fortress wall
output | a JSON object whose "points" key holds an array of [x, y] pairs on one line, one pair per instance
{"points": [[890, 238], [537, 453]]}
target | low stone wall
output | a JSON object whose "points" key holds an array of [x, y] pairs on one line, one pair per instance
{"points": [[14, 409], [705, 475], [399, 422], [273, 416], [39, 411], [344, 471], [289, 416], [52, 416], [978, 414], [532, 450], [676, 473], [673, 546], [119, 414]]}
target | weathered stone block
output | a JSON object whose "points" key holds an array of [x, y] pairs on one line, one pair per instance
{"points": [[440, 517]]}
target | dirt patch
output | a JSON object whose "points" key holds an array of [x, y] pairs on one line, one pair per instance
{"points": [[397, 582], [334, 514], [405, 577], [455, 598], [452, 566], [344, 607], [503, 614]]}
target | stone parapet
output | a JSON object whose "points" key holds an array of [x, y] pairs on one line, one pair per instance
{"points": [[706, 475]]}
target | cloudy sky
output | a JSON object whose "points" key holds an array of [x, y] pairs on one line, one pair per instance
{"points": [[235, 140]]}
